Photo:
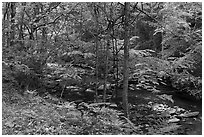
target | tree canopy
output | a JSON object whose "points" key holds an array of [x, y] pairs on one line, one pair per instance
{"points": [[98, 53]]}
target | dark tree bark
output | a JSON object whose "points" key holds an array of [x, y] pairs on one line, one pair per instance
{"points": [[106, 70], [20, 33], [116, 69], [97, 64], [6, 17], [95, 8], [13, 13], [44, 29], [126, 58]]}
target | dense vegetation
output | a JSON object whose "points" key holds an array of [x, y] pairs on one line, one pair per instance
{"points": [[99, 68]]}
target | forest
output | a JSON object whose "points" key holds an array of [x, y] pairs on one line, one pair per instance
{"points": [[101, 68]]}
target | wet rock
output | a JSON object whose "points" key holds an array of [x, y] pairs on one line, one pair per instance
{"points": [[173, 120], [159, 107], [166, 97], [172, 111], [113, 106], [178, 109], [73, 88], [165, 114], [102, 87], [188, 115], [90, 91]]}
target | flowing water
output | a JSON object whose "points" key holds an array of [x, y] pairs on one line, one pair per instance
{"points": [[190, 126], [193, 125]]}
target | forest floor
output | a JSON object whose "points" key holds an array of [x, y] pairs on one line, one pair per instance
{"points": [[24, 115], [37, 115]]}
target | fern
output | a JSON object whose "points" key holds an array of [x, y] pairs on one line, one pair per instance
{"points": [[169, 128]]}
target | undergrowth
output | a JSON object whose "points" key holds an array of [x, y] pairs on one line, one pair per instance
{"points": [[32, 114]]}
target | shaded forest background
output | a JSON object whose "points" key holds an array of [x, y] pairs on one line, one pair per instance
{"points": [[100, 51]]}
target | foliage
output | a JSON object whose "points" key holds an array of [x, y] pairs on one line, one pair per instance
{"points": [[179, 33], [150, 72], [188, 84], [165, 130], [77, 49], [32, 115]]}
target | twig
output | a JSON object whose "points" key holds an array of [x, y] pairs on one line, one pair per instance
{"points": [[131, 124], [99, 104], [62, 91]]}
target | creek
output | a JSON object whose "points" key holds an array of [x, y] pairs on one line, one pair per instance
{"points": [[139, 112], [189, 126], [193, 125]]}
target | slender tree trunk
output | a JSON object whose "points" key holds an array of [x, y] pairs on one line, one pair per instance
{"points": [[126, 58], [162, 45], [13, 13], [21, 36], [117, 69], [31, 34], [96, 88], [44, 35], [44, 38], [114, 66], [97, 49], [44, 30], [6, 18], [106, 71]]}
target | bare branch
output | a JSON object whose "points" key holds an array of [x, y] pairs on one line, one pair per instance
{"points": [[52, 22]]}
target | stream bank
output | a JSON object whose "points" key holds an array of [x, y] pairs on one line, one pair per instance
{"points": [[156, 113]]}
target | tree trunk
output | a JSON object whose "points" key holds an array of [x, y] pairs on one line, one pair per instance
{"points": [[13, 13], [20, 34], [96, 88], [5, 25], [116, 68], [97, 49], [31, 33], [106, 71], [44, 31], [126, 58]]}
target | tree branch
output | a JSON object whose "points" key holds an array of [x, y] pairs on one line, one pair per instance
{"points": [[146, 14], [52, 22]]}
